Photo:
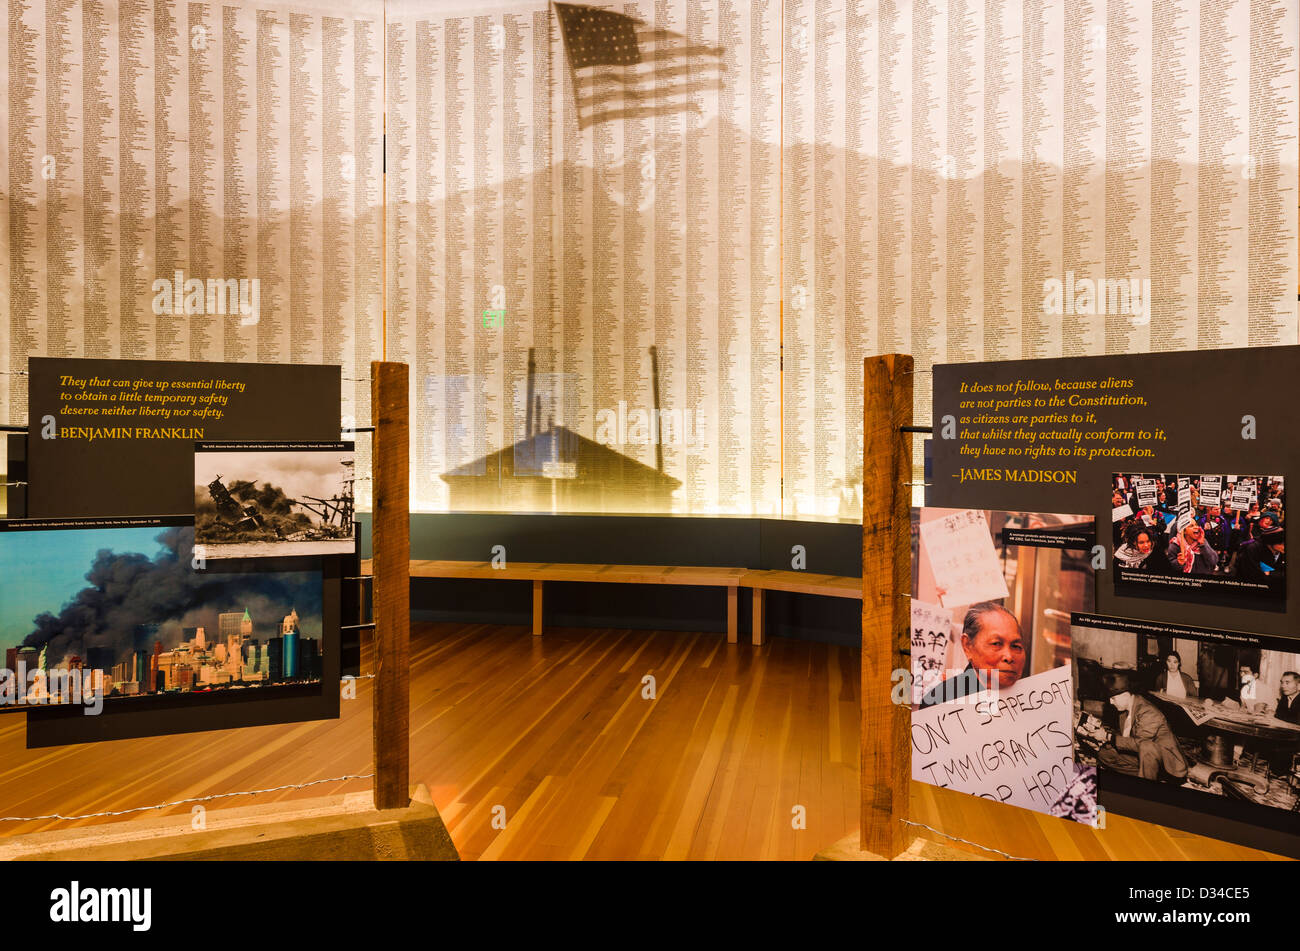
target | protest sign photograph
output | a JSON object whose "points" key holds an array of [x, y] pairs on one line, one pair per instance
{"points": [[1220, 537], [991, 689]]}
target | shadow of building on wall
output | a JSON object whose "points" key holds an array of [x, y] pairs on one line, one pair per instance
{"points": [[559, 470]]}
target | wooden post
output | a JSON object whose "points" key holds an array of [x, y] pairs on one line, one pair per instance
{"points": [[886, 578], [391, 535]]}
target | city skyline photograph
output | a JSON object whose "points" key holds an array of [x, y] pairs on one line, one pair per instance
{"points": [[127, 601]]}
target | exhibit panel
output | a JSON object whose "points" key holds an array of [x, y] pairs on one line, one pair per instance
{"points": [[107, 596], [1195, 496], [248, 518], [188, 605], [1212, 716]]}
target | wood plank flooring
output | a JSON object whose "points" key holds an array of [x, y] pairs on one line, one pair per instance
{"points": [[554, 734]]}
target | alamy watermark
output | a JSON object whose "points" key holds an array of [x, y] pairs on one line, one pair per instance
{"points": [[1098, 295], [646, 427], [955, 685], [191, 296], [78, 903], [59, 685]]}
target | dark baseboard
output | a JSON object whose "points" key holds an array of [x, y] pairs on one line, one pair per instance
{"points": [[766, 543], [633, 607], [831, 548]]}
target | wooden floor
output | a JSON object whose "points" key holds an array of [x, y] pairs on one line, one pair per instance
{"points": [[554, 734]]}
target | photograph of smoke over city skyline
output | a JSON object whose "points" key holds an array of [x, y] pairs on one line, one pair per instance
{"points": [[127, 601]]}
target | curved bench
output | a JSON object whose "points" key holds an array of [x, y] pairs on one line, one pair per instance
{"points": [[795, 582], [733, 579]]}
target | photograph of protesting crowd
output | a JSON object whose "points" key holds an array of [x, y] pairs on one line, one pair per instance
{"points": [[1199, 532]]}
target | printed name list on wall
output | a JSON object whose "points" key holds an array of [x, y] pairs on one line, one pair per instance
{"points": [[579, 233], [193, 182]]}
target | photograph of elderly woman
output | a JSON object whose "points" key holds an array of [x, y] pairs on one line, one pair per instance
{"points": [[992, 595]]}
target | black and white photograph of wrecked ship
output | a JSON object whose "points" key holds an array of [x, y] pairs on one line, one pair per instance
{"points": [[270, 501]]}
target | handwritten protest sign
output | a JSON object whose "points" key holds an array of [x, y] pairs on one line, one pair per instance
{"points": [[1013, 745], [931, 634], [965, 564], [1120, 512]]}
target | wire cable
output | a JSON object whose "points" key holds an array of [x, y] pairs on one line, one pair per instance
{"points": [[922, 825], [182, 802]]}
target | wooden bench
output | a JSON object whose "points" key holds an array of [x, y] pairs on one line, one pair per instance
{"points": [[733, 579], [796, 582]]}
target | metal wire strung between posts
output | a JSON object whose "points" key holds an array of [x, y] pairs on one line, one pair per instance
{"points": [[922, 825], [182, 802]]}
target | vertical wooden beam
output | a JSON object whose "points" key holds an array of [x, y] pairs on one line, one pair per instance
{"points": [[886, 578], [537, 608], [391, 535], [756, 628]]}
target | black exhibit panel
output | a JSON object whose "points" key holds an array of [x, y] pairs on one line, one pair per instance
{"points": [[1182, 458], [833, 548], [108, 437], [1057, 443], [239, 635]]}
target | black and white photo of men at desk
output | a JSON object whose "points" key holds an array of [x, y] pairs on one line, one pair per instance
{"points": [[1205, 713]]}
